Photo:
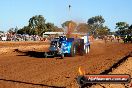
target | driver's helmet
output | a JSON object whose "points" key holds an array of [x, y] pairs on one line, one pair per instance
{"points": [[62, 38]]}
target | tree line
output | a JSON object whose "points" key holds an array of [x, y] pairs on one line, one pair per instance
{"points": [[123, 28], [95, 26], [37, 26]]}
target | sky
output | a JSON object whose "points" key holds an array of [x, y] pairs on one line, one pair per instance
{"points": [[17, 12]]}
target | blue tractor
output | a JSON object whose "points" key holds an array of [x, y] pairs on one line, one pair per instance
{"points": [[63, 46]]}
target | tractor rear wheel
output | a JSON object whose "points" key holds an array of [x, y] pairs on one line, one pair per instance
{"points": [[86, 49], [73, 50]]}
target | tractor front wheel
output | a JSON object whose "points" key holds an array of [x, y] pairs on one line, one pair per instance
{"points": [[62, 56]]}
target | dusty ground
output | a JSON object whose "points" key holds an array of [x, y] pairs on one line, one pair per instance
{"points": [[21, 71], [9, 47]]}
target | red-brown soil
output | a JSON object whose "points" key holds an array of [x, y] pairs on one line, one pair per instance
{"points": [[20, 71]]}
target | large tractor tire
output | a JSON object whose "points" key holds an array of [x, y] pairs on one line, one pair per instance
{"points": [[82, 51], [81, 47], [73, 50], [85, 50]]}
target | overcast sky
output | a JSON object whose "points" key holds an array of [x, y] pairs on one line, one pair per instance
{"points": [[17, 12]]}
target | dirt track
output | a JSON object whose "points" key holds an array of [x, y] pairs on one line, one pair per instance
{"points": [[19, 71]]}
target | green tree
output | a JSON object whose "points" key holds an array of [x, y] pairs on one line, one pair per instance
{"points": [[130, 27], [37, 25], [96, 26], [95, 23], [102, 31], [50, 27], [56, 29], [122, 28], [25, 30], [122, 25], [83, 28], [16, 29], [11, 31], [1, 31]]}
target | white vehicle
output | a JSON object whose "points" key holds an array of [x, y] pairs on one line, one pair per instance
{"points": [[4, 38]]}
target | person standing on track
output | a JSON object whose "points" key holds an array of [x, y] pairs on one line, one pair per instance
{"points": [[105, 39], [118, 39]]}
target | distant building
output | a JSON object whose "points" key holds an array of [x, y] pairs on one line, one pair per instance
{"points": [[52, 33]]}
